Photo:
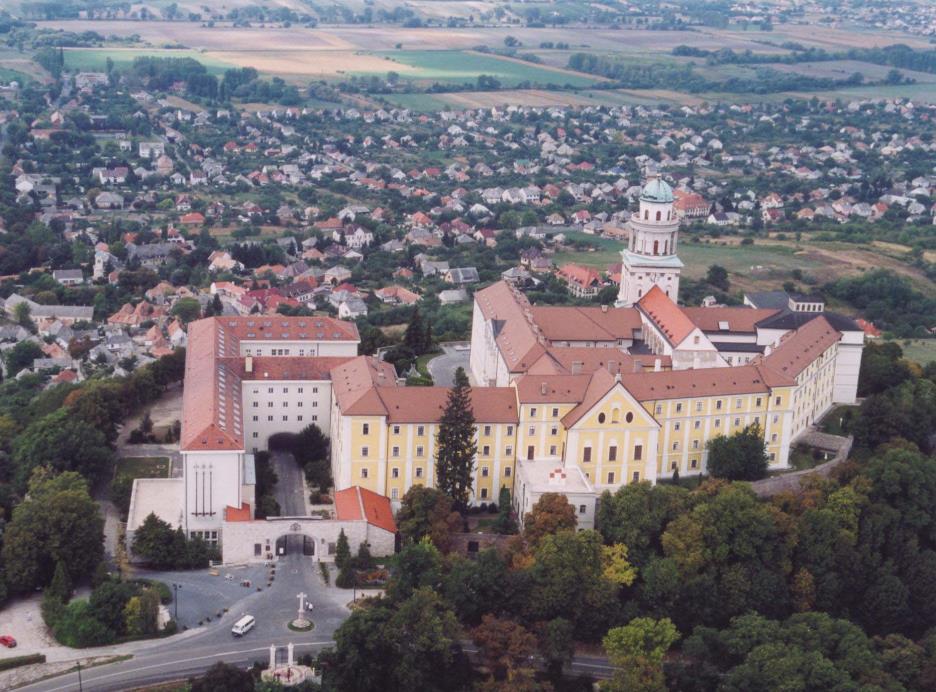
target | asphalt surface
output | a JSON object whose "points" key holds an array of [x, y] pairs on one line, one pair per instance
{"points": [[193, 652], [290, 490], [443, 367]]}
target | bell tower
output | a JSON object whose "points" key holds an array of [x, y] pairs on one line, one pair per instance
{"points": [[650, 257]]}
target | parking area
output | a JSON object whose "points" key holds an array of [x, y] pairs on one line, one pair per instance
{"points": [[203, 595]]}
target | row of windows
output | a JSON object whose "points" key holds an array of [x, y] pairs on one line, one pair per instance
{"points": [[612, 453], [299, 390], [700, 405], [421, 430], [285, 420], [285, 404], [276, 351]]}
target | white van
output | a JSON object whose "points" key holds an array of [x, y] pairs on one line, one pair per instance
{"points": [[243, 626]]}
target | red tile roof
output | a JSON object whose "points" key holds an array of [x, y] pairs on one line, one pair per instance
{"points": [[737, 319], [666, 315], [426, 404], [241, 513], [799, 349], [356, 503]]}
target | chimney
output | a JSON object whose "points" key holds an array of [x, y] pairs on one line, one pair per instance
{"points": [[248, 364], [543, 388], [657, 365]]}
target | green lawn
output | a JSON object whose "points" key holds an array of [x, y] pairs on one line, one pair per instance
{"points": [[921, 351], [95, 59], [462, 67], [144, 467], [424, 103]]}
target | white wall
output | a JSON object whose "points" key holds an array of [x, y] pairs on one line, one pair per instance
{"points": [[847, 366], [293, 405], [241, 537], [213, 480]]}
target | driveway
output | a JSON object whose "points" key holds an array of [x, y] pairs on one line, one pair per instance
{"points": [[442, 368], [290, 485]]}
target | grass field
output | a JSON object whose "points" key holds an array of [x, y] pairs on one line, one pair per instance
{"points": [[754, 261], [144, 467], [921, 351], [95, 59]]}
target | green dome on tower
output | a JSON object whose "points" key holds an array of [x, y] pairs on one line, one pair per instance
{"points": [[657, 190]]}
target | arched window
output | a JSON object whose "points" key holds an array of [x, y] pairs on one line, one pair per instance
{"points": [[615, 415], [658, 215], [656, 247], [646, 214]]}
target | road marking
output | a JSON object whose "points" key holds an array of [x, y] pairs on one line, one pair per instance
{"points": [[184, 660]]}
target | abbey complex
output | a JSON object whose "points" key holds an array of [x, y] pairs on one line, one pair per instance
{"points": [[576, 400]]}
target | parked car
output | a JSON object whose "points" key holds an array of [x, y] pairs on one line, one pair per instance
{"points": [[7, 641]]}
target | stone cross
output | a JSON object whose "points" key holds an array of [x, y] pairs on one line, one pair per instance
{"points": [[301, 597]]}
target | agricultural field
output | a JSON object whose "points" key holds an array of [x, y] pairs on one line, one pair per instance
{"points": [[95, 59], [463, 67]]}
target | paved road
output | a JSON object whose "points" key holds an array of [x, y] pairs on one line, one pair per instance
{"points": [[193, 652], [290, 490], [443, 367]]}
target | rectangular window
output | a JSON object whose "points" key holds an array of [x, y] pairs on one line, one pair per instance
{"points": [[777, 401], [659, 409], [697, 424], [532, 412], [396, 429], [694, 463], [757, 401], [636, 477], [419, 451], [364, 451], [554, 430], [487, 430], [695, 444], [530, 453], [364, 473], [269, 404], [299, 404], [483, 493], [508, 451], [698, 406], [256, 435], [773, 457], [675, 446], [507, 471], [484, 472], [555, 413], [678, 408], [256, 404], [532, 431], [582, 509], [418, 472], [420, 430], [737, 403], [300, 389], [638, 452], [394, 472], [365, 429], [299, 418], [586, 455], [270, 418], [737, 421], [394, 493], [610, 476], [395, 452], [718, 422], [509, 431], [257, 548], [612, 453], [677, 426], [718, 405], [285, 418], [773, 438], [552, 450], [486, 450], [256, 418]]}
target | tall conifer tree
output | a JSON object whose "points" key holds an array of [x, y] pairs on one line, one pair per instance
{"points": [[456, 445]]}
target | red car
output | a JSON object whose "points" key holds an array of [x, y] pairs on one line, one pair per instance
{"points": [[7, 641]]}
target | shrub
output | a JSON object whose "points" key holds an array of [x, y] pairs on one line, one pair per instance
{"points": [[17, 661], [326, 575]]}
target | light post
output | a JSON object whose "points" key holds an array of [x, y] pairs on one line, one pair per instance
{"points": [[176, 588], [78, 665]]}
